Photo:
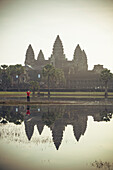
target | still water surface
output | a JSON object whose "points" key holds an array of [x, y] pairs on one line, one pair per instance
{"points": [[55, 137]]}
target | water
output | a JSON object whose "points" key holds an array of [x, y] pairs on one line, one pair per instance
{"points": [[63, 137]]}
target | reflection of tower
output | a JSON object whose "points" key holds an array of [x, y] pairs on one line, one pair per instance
{"points": [[40, 127], [31, 121], [29, 128], [79, 126], [57, 133], [50, 116], [40, 124]]}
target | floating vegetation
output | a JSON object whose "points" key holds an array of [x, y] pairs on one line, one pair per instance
{"points": [[102, 165]]}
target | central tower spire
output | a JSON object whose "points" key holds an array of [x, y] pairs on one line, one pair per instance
{"points": [[58, 50], [58, 57]]}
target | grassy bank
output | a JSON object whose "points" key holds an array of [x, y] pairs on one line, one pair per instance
{"points": [[58, 94], [57, 102], [83, 98]]}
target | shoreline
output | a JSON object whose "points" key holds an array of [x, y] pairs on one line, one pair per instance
{"points": [[56, 102]]}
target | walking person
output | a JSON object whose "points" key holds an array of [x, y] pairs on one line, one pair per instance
{"points": [[28, 95]]}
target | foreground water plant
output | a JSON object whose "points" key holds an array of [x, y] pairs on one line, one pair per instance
{"points": [[102, 165]]}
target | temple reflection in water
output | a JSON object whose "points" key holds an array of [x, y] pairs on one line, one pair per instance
{"points": [[58, 117], [70, 136], [55, 117]]}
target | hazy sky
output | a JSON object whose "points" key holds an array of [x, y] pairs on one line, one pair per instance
{"points": [[38, 22]]}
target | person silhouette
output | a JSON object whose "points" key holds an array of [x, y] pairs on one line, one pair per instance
{"points": [[28, 95]]}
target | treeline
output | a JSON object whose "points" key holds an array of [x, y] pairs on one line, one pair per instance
{"points": [[16, 77], [10, 76]]}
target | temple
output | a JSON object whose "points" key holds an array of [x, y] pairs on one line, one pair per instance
{"points": [[58, 59], [75, 71]]}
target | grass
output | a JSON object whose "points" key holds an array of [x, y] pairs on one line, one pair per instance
{"points": [[79, 93], [60, 94], [88, 93], [77, 96], [15, 93]]}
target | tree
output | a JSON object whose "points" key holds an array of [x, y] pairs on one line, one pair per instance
{"points": [[34, 86], [54, 77], [49, 73], [105, 76], [60, 78], [19, 70], [16, 71], [5, 77], [4, 67], [12, 72]]}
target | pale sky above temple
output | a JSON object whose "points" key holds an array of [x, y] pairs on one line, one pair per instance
{"points": [[38, 22]]}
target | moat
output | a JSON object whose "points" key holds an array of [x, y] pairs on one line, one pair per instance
{"points": [[51, 137]]}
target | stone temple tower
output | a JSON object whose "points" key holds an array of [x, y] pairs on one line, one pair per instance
{"points": [[80, 59], [30, 57], [58, 57], [40, 58]]}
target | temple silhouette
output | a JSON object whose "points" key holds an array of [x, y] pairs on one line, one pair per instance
{"points": [[77, 116], [76, 71], [58, 58]]}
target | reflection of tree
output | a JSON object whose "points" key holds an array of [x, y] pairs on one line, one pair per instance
{"points": [[4, 114], [51, 116], [18, 118], [9, 115], [105, 115]]}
